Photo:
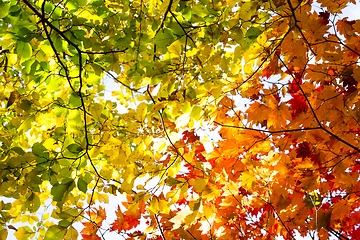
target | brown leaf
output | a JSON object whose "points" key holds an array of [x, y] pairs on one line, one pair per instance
{"points": [[14, 97]]}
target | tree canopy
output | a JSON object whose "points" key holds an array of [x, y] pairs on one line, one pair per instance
{"points": [[278, 80]]}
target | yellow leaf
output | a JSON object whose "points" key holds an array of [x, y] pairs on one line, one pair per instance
{"points": [[163, 206], [106, 173], [158, 106], [153, 207], [46, 216], [230, 189], [175, 48], [26, 125], [160, 146], [23, 233], [182, 121], [180, 217], [189, 219], [247, 180], [96, 110], [71, 234], [174, 169], [173, 195], [3, 234], [141, 112], [196, 113], [200, 184]]}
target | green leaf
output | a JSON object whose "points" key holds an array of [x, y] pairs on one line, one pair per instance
{"points": [[55, 233], [25, 105], [172, 181], [48, 7], [74, 148], [59, 191], [38, 149], [79, 34], [64, 223], [252, 33], [164, 38], [63, 215], [200, 10], [24, 34], [24, 50], [81, 3], [4, 6], [18, 150], [187, 14], [32, 203], [59, 133], [6, 206], [191, 92], [82, 185], [74, 101]]}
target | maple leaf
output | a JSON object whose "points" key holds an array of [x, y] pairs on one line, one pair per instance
{"points": [[303, 150], [271, 69], [90, 229], [190, 137], [324, 17], [344, 27], [247, 180], [350, 85], [90, 237], [117, 224], [356, 233], [298, 104], [126, 221], [293, 86], [181, 217], [99, 215], [341, 209]]}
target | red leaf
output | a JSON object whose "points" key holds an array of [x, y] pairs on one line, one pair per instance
{"points": [[127, 221], [298, 104], [324, 17], [356, 233]]}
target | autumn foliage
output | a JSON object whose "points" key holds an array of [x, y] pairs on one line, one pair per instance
{"points": [[276, 80]]}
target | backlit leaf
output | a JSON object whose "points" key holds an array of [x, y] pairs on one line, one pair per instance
{"points": [[55, 233], [24, 49], [82, 185]]}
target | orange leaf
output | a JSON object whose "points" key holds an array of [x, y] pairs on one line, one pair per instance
{"points": [[90, 237], [90, 228], [341, 210]]}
